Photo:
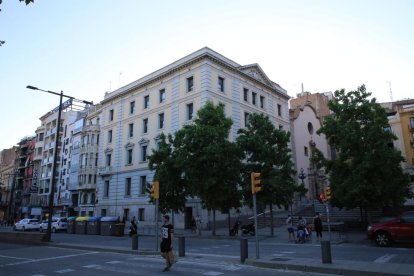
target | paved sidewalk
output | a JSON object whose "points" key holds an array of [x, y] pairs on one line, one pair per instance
{"points": [[147, 245]]}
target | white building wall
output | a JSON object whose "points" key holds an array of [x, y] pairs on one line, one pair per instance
{"points": [[205, 73]]}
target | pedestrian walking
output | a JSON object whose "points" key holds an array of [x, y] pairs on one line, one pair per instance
{"points": [[166, 246], [198, 222], [193, 225], [133, 229], [317, 225], [289, 223]]}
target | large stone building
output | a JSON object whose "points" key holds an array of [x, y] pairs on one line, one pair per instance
{"points": [[134, 116], [46, 136], [306, 114], [7, 180], [401, 119]]}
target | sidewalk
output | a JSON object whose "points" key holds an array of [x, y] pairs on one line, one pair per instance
{"points": [[148, 245]]}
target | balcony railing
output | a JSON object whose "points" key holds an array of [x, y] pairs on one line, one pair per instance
{"points": [[105, 170]]}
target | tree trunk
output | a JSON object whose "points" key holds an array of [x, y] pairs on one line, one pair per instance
{"points": [[272, 230], [214, 223]]}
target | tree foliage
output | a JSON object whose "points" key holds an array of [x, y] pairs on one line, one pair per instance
{"points": [[367, 172], [168, 172], [266, 151], [200, 162], [212, 163]]}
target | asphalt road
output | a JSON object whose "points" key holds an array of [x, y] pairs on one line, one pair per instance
{"points": [[45, 260]]}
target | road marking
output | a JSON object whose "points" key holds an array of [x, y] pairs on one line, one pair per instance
{"points": [[287, 252], [17, 258], [278, 255], [384, 259], [92, 266], [213, 273], [48, 259], [113, 262], [213, 255], [64, 271]]}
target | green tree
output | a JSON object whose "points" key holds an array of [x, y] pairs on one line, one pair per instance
{"points": [[168, 172], [367, 172], [266, 151], [211, 162]]}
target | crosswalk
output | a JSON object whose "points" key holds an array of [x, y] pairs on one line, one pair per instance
{"points": [[141, 265]]}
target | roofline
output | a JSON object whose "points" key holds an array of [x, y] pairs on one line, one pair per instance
{"points": [[177, 65]]}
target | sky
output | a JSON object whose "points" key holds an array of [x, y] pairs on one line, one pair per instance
{"points": [[87, 48]]}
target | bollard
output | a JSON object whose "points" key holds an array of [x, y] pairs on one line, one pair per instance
{"points": [[326, 252], [244, 251], [181, 246], [134, 239]]}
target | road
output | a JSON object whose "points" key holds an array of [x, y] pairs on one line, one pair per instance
{"points": [[45, 260]]}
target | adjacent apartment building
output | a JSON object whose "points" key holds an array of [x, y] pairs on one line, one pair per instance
{"points": [[133, 117]]}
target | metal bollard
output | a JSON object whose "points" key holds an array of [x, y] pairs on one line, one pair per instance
{"points": [[181, 246], [134, 242], [244, 250], [326, 252]]}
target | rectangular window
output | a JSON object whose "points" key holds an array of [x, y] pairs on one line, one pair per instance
{"points": [[143, 184], [106, 188], [221, 84], [144, 153], [145, 125], [279, 110], [108, 159], [190, 111], [412, 123], [246, 118], [129, 157], [161, 120], [131, 130], [262, 102], [141, 214], [126, 215], [305, 151], [254, 98], [132, 107], [245, 94], [162, 95], [190, 84], [128, 182], [146, 101], [109, 136], [280, 127], [111, 115], [103, 212]]}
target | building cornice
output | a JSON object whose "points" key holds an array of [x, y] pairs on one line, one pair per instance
{"points": [[204, 53]]}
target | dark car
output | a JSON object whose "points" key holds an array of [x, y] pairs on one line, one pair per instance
{"points": [[399, 229]]}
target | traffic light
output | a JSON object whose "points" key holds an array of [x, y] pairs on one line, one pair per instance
{"points": [[321, 198], [155, 190], [328, 193], [256, 182]]}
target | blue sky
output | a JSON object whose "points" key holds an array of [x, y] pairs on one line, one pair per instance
{"points": [[86, 48]]}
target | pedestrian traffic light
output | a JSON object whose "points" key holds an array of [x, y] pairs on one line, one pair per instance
{"points": [[321, 198], [328, 193], [155, 190], [256, 182]]}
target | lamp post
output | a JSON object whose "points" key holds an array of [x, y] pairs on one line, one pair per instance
{"points": [[302, 175], [47, 237]]}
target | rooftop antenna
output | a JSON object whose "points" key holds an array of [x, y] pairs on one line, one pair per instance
{"points": [[303, 91], [389, 84]]}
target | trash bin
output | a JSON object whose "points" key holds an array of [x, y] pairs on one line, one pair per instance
{"points": [[71, 225], [80, 225], [119, 229], [94, 226], [108, 226]]}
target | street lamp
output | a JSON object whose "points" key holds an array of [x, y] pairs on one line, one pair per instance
{"points": [[302, 175], [47, 237]]}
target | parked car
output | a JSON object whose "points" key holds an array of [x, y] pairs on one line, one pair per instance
{"points": [[399, 229], [27, 224], [58, 224]]}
